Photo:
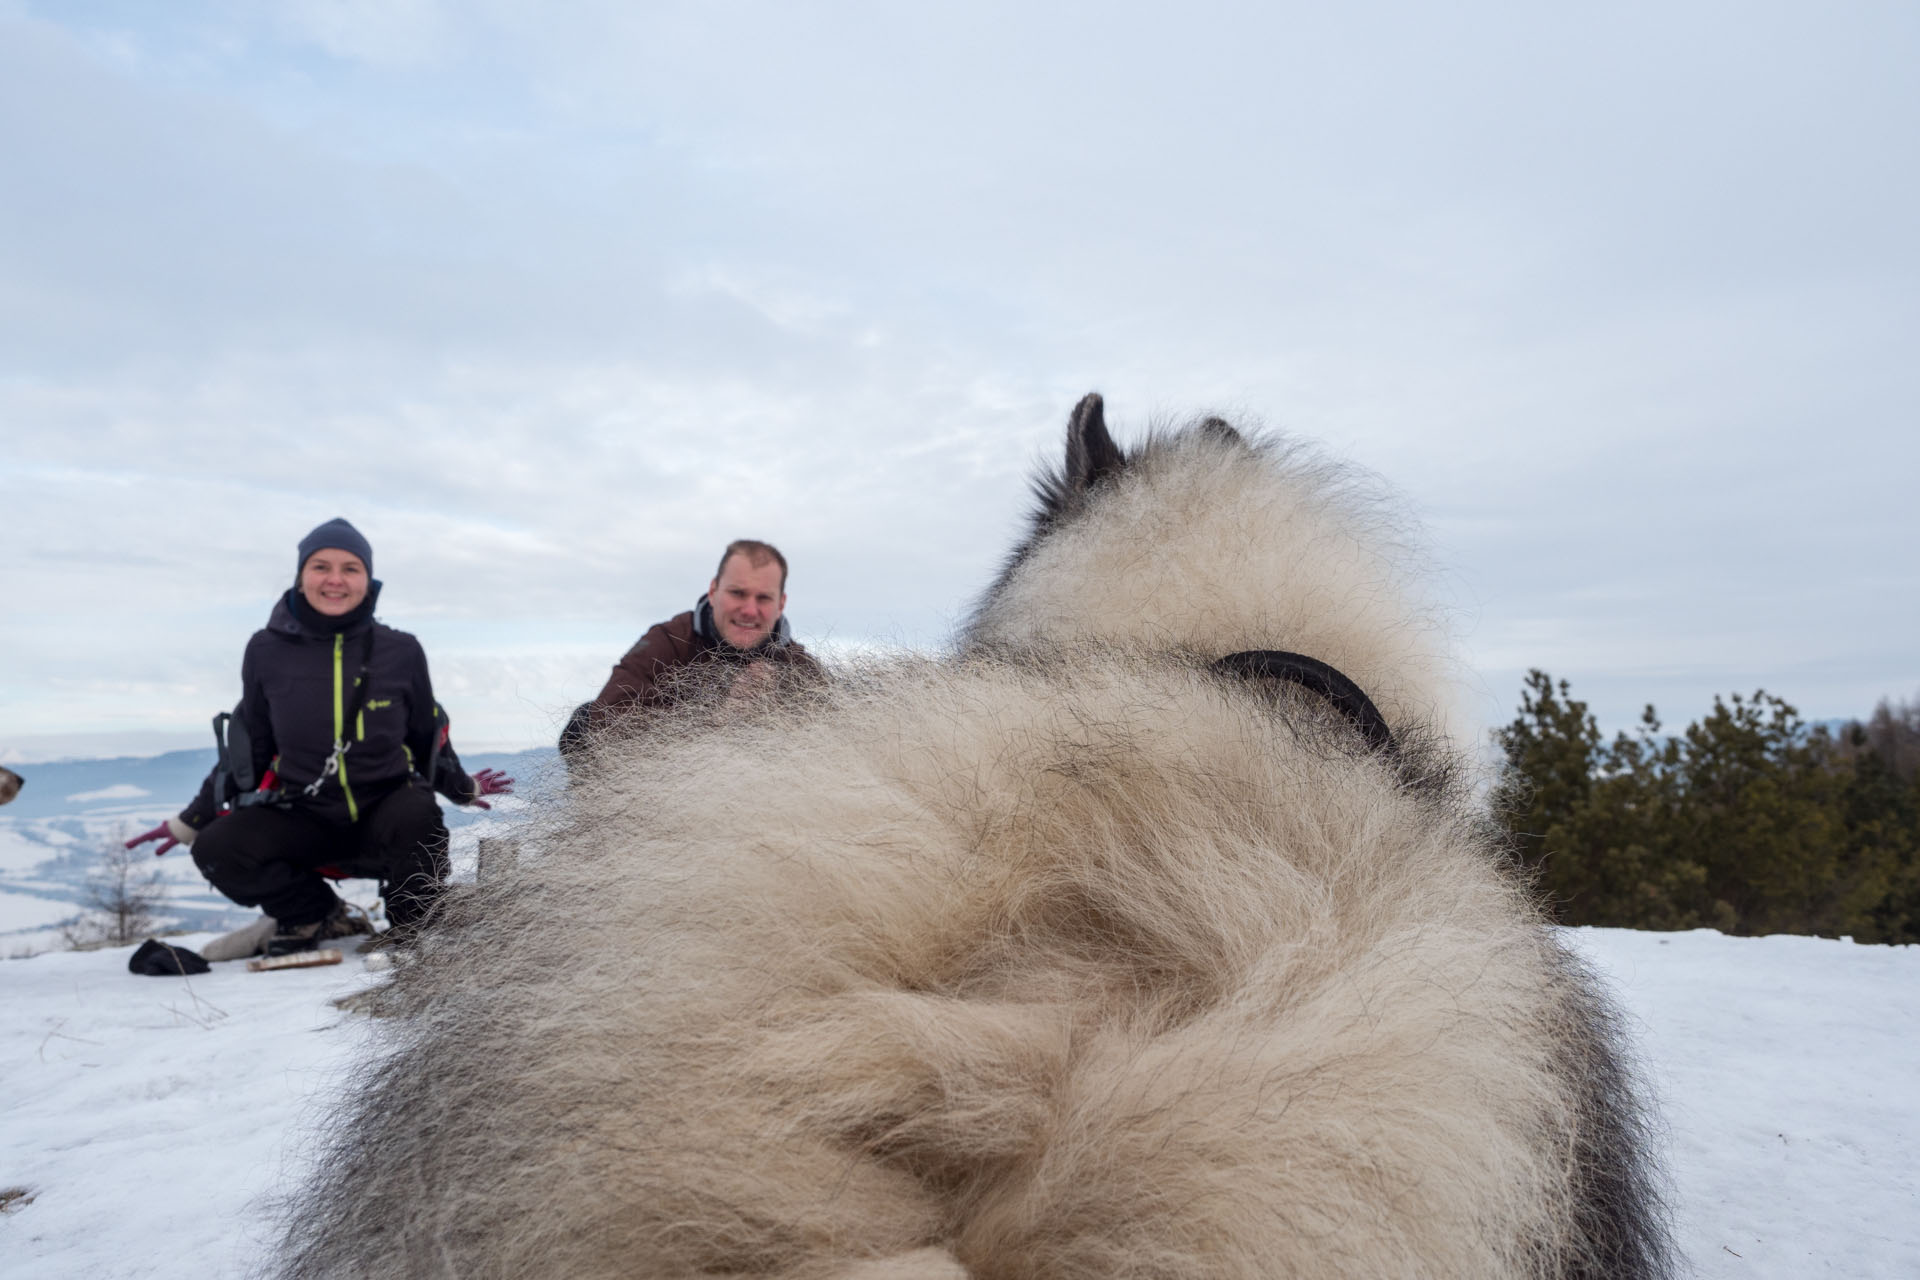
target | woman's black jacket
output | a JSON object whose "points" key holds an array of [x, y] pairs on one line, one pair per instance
{"points": [[299, 683]]}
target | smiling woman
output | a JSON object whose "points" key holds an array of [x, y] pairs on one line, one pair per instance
{"points": [[332, 761], [334, 582]]}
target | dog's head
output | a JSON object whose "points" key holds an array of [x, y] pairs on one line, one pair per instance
{"points": [[1207, 541]]}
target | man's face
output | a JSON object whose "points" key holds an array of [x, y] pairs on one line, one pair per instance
{"points": [[747, 600]]}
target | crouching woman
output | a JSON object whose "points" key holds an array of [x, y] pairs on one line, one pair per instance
{"points": [[334, 755]]}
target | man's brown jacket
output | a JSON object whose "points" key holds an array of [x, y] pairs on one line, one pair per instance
{"points": [[681, 641]]}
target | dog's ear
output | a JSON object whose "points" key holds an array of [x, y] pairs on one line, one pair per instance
{"points": [[1091, 453], [1218, 429]]}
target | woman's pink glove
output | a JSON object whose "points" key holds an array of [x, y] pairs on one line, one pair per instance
{"points": [[491, 782], [160, 833]]}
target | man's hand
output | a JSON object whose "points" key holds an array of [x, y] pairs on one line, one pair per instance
{"points": [[160, 833], [491, 782]]}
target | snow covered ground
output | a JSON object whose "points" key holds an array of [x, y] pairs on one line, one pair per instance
{"points": [[151, 1119]]}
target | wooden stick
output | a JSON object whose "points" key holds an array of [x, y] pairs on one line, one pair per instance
{"points": [[296, 960]]}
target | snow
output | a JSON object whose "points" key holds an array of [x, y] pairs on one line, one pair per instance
{"points": [[146, 1115], [27, 917], [45, 862], [1789, 1069], [20, 851], [152, 1119]]}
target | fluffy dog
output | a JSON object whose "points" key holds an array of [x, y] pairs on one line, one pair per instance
{"points": [[1095, 949]]}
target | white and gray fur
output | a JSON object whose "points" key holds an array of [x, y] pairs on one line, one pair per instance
{"points": [[1063, 956]]}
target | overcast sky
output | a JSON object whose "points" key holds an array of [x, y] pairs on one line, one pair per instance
{"points": [[553, 299]]}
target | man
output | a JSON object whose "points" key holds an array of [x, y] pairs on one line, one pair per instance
{"points": [[741, 622]]}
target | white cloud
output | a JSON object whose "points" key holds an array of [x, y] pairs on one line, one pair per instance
{"points": [[398, 34], [118, 791]]}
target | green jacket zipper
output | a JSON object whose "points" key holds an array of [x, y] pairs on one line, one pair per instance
{"points": [[339, 726]]}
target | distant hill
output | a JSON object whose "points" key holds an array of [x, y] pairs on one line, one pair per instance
{"points": [[167, 782], [78, 786]]}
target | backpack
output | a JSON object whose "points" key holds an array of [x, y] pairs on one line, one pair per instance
{"points": [[233, 782]]}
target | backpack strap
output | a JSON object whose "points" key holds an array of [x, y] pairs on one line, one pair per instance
{"points": [[225, 784], [442, 729]]}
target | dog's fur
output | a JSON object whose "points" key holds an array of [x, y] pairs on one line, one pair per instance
{"points": [[1064, 956]]}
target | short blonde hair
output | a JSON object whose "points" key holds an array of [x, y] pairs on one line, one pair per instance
{"points": [[756, 552]]}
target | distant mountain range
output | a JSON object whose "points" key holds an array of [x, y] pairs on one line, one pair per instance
{"points": [[74, 787]]}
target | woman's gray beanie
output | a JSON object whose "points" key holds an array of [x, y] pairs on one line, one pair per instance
{"points": [[336, 533]]}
